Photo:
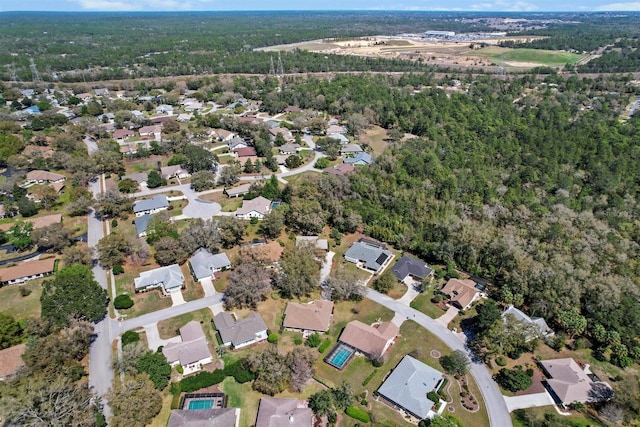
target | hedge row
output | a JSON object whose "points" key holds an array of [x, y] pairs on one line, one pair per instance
{"points": [[207, 379], [366, 380], [358, 414], [325, 344]]}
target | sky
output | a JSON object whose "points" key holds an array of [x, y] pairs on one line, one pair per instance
{"points": [[391, 5]]}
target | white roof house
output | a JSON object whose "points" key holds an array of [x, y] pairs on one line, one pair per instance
{"points": [[540, 323], [369, 255], [169, 279], [150, 206]]}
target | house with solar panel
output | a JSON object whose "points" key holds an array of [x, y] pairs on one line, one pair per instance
{"points": [[407, 386], [369, 254]]}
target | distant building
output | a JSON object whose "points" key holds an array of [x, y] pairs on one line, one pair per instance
{"points": [[359, 159], [540, 323], [237, 191]]}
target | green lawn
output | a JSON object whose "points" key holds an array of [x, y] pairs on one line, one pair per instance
{"points": [[551, 58], [242, 396], [520, 418], [231, 205], [14, 304], [169, 327], [423, 304]]}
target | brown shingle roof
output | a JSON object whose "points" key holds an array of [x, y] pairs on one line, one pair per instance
{"points": [[26, 269], [313, 316], [39, 175], [245, 151], [11, 359], [368, 339], [461, 292], [572, 384]]}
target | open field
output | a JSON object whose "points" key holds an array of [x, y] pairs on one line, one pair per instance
{"points": [[485, 54], [14, 304]]}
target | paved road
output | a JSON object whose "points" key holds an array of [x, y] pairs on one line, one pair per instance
{"points": [[496, 406], [118, 328], [100, 364]]}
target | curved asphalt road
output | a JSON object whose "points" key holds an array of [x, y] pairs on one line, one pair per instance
{"points": [[496, 406]]}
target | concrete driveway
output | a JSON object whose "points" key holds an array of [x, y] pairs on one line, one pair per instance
{"points": [[207, 286], [153, 337], [528, 401], [451, 314]]}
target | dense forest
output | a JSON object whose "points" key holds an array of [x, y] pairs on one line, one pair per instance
{"points": [[515, 181]]}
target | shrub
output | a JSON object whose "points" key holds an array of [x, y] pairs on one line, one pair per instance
{"points": [[433, 396], [130, 337], [313, 340], [325, 344], [114, 223], [364, 402], [272, 338], [202, 380], [122, 302], [180, 369], [297, 340], [238, 371], [501, 361], [254, 220], [117, 269], [358, 414], [368, 379], [377, 361], [25, 292], [514, 379]]}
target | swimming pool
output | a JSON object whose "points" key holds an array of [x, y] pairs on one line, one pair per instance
{"points": [[339, 356], [200, 404]]}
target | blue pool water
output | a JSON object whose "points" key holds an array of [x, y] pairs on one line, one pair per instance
{"points": [[200, 404]]}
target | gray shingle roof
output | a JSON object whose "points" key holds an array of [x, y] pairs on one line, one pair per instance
{"points": [[359, 158], [142, 222], [219, 417], [372, 257], [157, 202], [408, 385], [203, 263], [241, 331], [408, 265], [170, 277]]}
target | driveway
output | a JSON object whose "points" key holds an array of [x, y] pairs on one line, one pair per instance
{"points": [[493, 399], [451, 314], [207, 286], [176, 298], [196, 208], [325, 271], [528, 401], [153, 337]]}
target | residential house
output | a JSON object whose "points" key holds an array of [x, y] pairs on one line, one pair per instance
{"points": [[238, 333], [369, 254], [289, 149], [351, 150], [169, 279], [314, 316], [412, 267], [338, 136], [359, 159], [407, 387], [271, 251], [203, 263], [84, 97], [372, 341], [175, 171], [33, 110], [322, 244], [141, 223], [571, 383], [192, 351], [245, 152], [28, 92], [137, 114], [225, 135], [236, 142], [191, 104], [286, 134], [340, 169], [26, 271], [540, 323], [106, 117], [160, 120], [281, 159], [101, 92], [164, 109], [217, 417], [292, 109], [139, 177], [11, 360], [184, 117], [154, 132], [237, 191], [461, 292], [281, 412], [255, 208], [335, 128], [41, 177], [150, 206], [122, 135]]}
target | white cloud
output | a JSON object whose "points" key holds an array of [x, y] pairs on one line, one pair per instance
{"points": [[625, 6]]}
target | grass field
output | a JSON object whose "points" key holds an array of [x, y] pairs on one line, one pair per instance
{"points": [[506, 56], [14, 304]]}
